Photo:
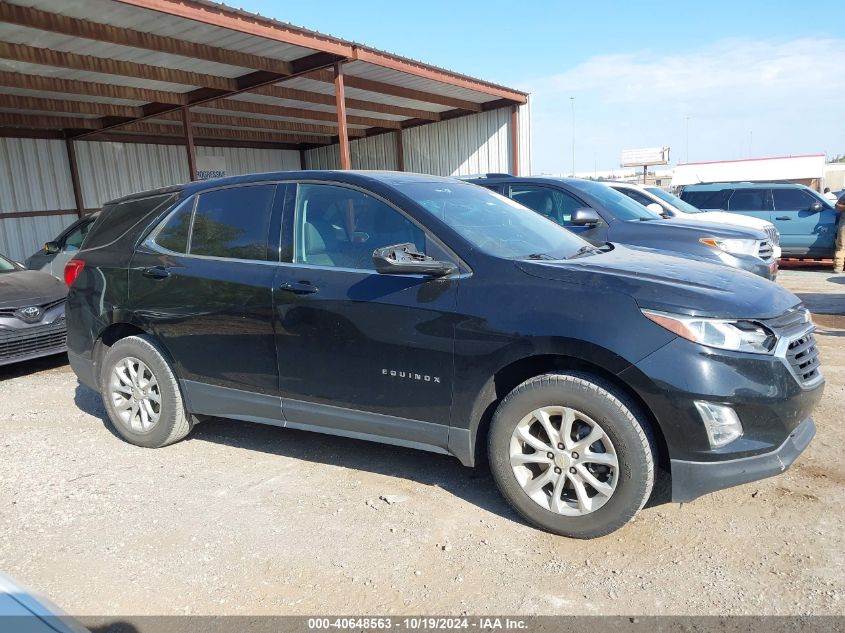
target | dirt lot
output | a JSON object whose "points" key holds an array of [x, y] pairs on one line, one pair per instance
{"points": [[244, 519]]}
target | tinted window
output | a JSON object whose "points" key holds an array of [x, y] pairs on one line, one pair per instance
{"points": [[748, 200], [233, 223], [552, 203], [492, 223], [336, 226], [174, 234], [791, 200], [636, 196], [74, 239], [707, 199], [675, 201], [117, 219], [6, 266], [618, 205]]}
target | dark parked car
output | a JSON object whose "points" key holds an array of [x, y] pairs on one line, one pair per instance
{"points": [[56, 253], [32, 313], [434, 314], [805, 219], [601, 214]]}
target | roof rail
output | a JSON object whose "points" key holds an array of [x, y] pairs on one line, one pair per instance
{"points": [[478, 176]]}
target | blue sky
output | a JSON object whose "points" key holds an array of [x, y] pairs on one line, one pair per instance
{"points": [[754, 78]]}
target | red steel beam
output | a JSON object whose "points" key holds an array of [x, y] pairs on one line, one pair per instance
{"points": [[343, 132], [189, 142], [74, 177]]}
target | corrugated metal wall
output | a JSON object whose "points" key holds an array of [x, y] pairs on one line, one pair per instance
{"points": [[376, 152], [34, 176], [479, 143]]}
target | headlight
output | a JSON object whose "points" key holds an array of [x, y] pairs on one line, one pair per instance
{"points": [[734, 247], [735, 335]]}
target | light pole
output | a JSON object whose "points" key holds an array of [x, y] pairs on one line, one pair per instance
{"points": [[572, 103], [687, 118]]}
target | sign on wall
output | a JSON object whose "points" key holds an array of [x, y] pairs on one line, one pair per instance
{"points": [[645, 156], [211, 167]]}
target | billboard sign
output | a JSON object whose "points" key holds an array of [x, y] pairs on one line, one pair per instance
{"points": [[645, 156]]}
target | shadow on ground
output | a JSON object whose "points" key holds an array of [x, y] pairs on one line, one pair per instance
{"points": [[27, 367], [474, 485]]}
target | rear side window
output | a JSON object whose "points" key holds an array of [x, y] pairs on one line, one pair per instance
{"points": [[749, 200], [117, 219], [233, 223], [707, 199], [174, 234]]}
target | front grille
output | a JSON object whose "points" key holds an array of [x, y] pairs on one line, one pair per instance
{"points": [[803, 357], [10, 312], [14, 343], [774, 236], [765, 250]]}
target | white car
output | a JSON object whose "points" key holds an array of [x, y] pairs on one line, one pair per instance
{"points": [[667, 205]]}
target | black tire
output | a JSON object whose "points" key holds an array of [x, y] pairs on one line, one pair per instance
{"points": [[619, 418], [174, 421]]}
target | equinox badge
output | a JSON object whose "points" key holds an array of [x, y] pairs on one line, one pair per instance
{"points": [[409, 375]]}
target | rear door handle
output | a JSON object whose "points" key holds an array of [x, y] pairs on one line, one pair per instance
{"points": [[299, 288], [783, 217], [156, 272]]}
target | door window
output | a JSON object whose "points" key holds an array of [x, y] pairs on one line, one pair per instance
{"points": [[233, 223], [173, 235], [791, 200], [552, 203], [74, 240], [636, 196], [749, 200], [340, 227]]}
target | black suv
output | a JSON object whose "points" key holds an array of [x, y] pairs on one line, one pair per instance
{"points": [[435, 314]]}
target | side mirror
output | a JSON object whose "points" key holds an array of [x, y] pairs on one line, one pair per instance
{"points": [[816, 207], [51, 248], [404, 259], [585, 217], [656, 208]]}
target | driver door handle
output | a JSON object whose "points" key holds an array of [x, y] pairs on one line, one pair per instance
{"points": [[783, 217], [299, 288], [156, 272]]}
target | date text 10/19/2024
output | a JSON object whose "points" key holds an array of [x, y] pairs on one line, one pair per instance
{"points": [[418, 623]]}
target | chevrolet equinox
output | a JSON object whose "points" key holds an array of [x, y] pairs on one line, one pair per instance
{"points": [[435, 314]]}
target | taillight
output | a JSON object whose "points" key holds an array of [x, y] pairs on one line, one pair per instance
{"points": [[72, 270]]}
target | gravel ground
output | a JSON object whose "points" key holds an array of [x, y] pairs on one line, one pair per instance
{"points": [[245, 519]]}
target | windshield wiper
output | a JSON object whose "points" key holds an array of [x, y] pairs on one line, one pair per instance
{"points": [[539, 256], [587, 249]]}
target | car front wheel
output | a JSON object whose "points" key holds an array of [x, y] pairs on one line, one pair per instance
{"points": [[572, 454]]}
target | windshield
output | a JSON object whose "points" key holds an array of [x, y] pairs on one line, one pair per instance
{"points": [[492, 223], [617, 204], [675, 201], [6, 266]]}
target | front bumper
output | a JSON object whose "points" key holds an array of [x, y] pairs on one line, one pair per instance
{"points": [[690, 479], [18, 345]]}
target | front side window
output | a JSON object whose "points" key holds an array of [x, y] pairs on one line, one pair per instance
{"points": [[618, 205], [74, 239], [493, 224], [552, 203], [675, 201], [791, 200], [340, 227], [233, 223]]}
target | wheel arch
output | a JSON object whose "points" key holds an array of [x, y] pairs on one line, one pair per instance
{"points": [[472, 450]]}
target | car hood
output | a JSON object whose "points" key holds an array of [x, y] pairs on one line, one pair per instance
{"points": [[660, 281], [31, 287], [724, 217], [715, 229]]}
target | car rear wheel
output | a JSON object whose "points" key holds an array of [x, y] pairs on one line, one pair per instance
{"points": [[571, 454], [141, 395]]}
